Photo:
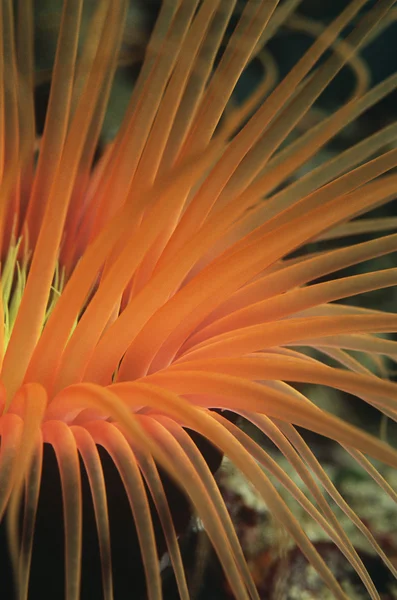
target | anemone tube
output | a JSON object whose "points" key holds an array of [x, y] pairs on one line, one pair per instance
{"points": [[146, 292]]}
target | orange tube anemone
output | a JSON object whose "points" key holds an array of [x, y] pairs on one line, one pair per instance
{"points": [[145, 293]]}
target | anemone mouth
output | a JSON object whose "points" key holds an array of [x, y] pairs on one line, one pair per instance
{"points": [[149, 295]]}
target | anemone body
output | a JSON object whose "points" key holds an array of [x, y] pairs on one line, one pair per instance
{"points": [[149, 291]]}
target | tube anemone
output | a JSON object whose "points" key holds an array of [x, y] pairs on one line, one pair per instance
{"points": [[147, 292]]}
